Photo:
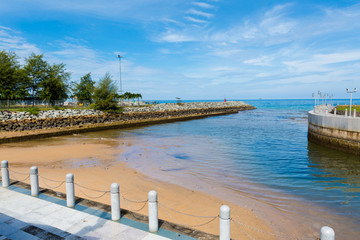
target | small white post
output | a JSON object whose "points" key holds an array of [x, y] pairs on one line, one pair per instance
{"points": [[153, 212], [224, 222], [70, 190], [34, 180], [5, 173], [354, 113], [346, 114], [327, 233], [115, 202], [335, 111]]}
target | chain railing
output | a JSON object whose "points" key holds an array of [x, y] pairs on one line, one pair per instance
{"points": [[103, 193], [153, 204], [164, 207], [19, 173], [50, 180], [188, 225]]}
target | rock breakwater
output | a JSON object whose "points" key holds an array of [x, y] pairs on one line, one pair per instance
{"points": [[77, 119]]}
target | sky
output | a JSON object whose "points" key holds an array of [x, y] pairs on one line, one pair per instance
{"points": [[195, 49]]}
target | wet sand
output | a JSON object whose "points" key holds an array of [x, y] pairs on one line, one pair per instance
{"points": [[93, 167], [95, 164]]}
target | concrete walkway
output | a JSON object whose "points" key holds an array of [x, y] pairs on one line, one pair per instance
{"points": [[26, 217]]}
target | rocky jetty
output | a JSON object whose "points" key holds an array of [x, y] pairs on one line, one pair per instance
{"points": [[72, 120], [186, 106], [18, 116], [163, 107]]}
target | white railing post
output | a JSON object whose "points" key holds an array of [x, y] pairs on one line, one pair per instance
{"points": [[115, 202], [70, 190], [34, 181], [153, 212], [335, 111], [224, 222], [346, 114], [354, 113], [5, 173], [327, 233]]}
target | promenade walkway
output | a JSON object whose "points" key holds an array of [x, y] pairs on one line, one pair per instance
{"points": [[26, 217]]}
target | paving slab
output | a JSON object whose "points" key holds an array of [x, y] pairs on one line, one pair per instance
{"points": [[25, 217]]}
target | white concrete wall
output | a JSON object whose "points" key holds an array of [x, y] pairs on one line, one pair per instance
{"points": [[334, 121]]}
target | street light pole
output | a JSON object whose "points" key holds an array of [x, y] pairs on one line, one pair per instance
{"points": [[119, 56], [351, 92]]}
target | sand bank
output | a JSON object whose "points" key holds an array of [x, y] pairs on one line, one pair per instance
{"points": [[98, 162], [94, 166]]}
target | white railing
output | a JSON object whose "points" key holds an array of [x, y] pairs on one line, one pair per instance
{"points": [[326, 233]]}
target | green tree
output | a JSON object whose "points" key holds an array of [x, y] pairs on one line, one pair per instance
{"points": [[11, 77], [36, 69], [54, 86], [138, 96], [105, 94], [85, 89]]}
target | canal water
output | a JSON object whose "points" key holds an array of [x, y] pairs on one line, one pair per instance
{"points": [[262, 154]]}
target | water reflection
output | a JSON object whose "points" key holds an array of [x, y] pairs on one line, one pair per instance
{"points": [[336, 169]]}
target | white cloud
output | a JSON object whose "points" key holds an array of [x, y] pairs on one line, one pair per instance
{"points": [[322, 62], [225, 53], [175, 38], [262, 61], [195, 20], [10, 40], [200, 13], [203, 5]]}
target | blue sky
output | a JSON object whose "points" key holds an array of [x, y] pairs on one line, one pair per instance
{"points": [[195, 49]]}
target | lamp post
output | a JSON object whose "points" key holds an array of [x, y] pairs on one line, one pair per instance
{"points": [[351, 92], [314, 96], [119, 56], [331, 98]]}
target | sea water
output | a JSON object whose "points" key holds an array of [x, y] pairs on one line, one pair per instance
{"points": [[261, 154]]}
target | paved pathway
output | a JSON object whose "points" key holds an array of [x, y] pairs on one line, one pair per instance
{"points": [[26, 217]]}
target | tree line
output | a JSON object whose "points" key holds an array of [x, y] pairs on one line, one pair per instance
{"points": [[39, 80]]}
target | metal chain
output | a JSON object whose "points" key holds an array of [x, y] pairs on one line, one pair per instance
{"points": [[91, 188], [17, 172], [269, 233], [21, 179], [133, 201], [187, 225], [136, 210], [243, 231], [187, 214], [51, 187], [105, 192], [50, 179]]}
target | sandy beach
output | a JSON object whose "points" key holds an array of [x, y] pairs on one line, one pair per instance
{"points": [[55, 161], [95, 164]]}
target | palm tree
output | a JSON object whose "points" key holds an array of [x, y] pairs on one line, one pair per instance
{"points": [[138, 96]]}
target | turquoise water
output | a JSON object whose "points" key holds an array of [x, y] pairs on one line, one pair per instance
{"points": [[262, 155]]}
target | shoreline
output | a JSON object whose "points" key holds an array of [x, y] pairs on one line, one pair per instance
{"points": [[97, 163], [75, 125], [133, 184]]}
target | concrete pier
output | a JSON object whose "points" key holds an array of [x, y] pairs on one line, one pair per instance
{"points": [[340, 132]]}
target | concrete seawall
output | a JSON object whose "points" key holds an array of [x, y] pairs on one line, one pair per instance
{"points": [[335, 131]]}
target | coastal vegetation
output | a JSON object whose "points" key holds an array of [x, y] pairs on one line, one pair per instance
{"points": [[343, 107], [39, 81]]}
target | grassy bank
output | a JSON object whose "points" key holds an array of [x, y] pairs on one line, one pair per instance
{"points": [[343, 107]]}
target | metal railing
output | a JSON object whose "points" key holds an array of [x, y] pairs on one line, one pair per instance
{"points": [[326, 233]]}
